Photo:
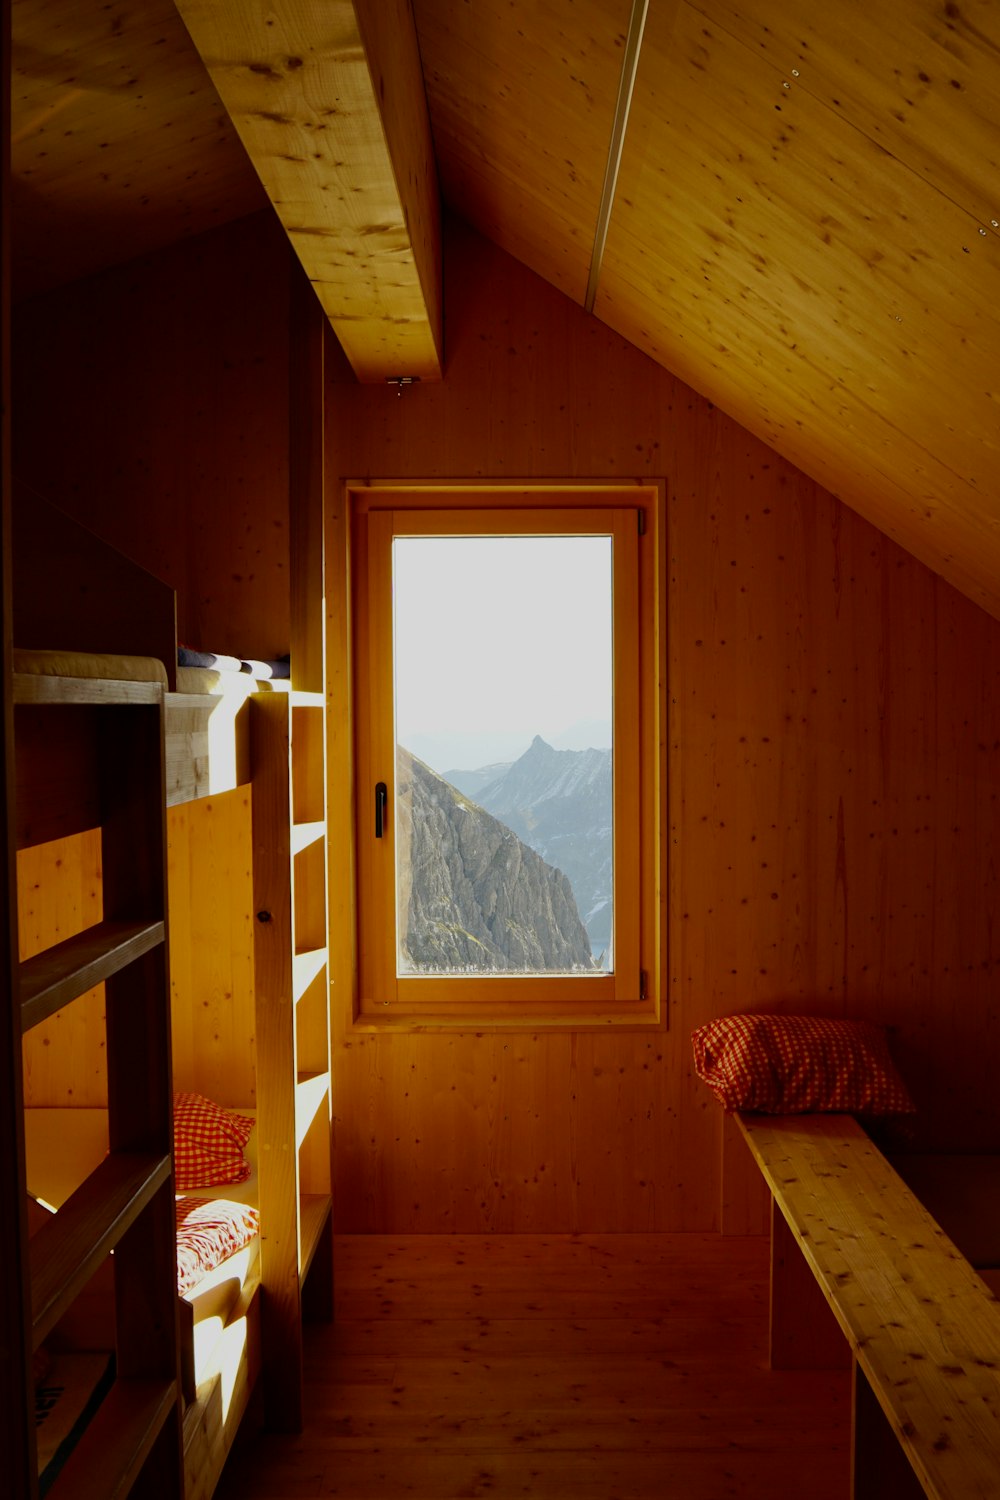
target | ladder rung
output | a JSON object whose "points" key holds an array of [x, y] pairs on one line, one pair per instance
{"points": [[106, 1461], [62, 973], [314, 1210], [70, 1246]]}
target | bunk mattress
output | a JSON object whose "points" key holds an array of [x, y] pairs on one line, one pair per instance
{"points": [[229, 681], [206, 731], [91, 665]]}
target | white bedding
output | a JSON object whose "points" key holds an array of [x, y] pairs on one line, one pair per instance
{"points": [[62, 1148], [238, 685]]}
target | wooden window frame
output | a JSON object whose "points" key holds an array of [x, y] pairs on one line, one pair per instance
{"points": [[362, 753]]}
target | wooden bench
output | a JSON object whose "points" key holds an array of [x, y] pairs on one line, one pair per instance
{"points": [[920, 1328]]}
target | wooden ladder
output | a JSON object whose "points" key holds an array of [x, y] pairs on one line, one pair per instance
{"points": [[133, 1442], [294, 1098]]}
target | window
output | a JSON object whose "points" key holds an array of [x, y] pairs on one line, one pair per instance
{"points": [[507, 809]]}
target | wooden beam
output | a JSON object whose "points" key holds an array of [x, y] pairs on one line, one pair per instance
{"points": [[329, 103]]}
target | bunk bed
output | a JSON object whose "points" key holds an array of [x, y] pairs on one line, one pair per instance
{"points": [[235, 749], [218, 1282], [102, 1297]]}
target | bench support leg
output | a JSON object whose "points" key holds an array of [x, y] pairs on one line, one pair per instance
{"points": [[880, 1469], [805, 1334]]}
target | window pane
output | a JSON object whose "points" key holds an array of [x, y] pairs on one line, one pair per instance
{"points": [[503, 710]]}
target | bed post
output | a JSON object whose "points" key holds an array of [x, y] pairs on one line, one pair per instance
{"points": [[17, 1427]]}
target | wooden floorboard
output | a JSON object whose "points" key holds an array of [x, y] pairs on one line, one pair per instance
{"points": [[585, 1367]]}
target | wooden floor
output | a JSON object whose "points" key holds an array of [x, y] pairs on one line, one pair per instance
{"points": [[597, 1367]]}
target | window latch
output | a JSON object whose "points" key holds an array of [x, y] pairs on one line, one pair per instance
{"points": [[381, 803]]}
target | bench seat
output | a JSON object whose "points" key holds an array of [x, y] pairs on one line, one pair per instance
{"points": [[922, 1327]]}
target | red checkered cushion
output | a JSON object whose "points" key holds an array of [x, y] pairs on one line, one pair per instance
{"points": [[209, 1230], [787, 1065], [208, 1143]]}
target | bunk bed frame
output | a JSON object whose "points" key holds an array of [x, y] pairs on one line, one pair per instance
{"points": [[74, 593], [126, 1203]]}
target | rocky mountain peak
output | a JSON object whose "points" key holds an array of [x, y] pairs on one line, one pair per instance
{"points": [[476, 898], [560, 802]]}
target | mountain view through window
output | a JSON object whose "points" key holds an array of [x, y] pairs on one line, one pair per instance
{"points": [[503, 688]]}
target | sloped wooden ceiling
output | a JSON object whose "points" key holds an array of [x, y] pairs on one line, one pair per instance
{"points": [[119, 144], [135, 124], [804, 227]]}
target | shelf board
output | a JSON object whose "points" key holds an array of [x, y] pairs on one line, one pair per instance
{"points": [[310, 1092], [70, 1246], [109, 1456], [41, 687], [62, 973], [301, 698], [305, 967], [314, 1210], [305, 834]]}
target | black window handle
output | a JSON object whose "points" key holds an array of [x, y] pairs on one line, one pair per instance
{"points": [[381, 803]]}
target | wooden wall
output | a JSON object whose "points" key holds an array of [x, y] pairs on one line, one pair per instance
{"points": [[834, 743], [151, 402], [834, 777], [210, 889], [209, 857], [58, 895]]}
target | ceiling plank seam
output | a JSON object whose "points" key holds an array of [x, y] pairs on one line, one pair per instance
{"points": [[626, 85]]}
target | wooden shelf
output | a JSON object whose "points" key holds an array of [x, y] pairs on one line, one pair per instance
{"points": [[61, 974], [292, 1029], [109, 1456], [310, 1092], [314, 1210], [304, 834], [39, 687], [70, 1246], [305, 967]]}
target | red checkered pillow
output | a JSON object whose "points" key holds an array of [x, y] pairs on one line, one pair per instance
{"points": [[209, 1230], [789, 1065], [208, 1143]]}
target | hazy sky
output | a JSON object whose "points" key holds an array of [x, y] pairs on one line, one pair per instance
{"points": [[498, 639]]}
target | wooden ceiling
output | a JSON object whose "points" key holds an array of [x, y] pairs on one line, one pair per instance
{"points": [[805, 225], [119, 144]]}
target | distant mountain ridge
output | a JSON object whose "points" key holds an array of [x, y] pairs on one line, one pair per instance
{"points": [[560, 802], [473, 896], [471, 783]]}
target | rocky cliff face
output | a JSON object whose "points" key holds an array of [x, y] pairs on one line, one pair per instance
{"points": [[560, 803], [477, 898]]}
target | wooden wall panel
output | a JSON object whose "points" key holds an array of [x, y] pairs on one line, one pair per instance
{"points": [[834, 781], [65, 1058], [833, 750], [209, 855], [211, 956], [152, 404]]}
